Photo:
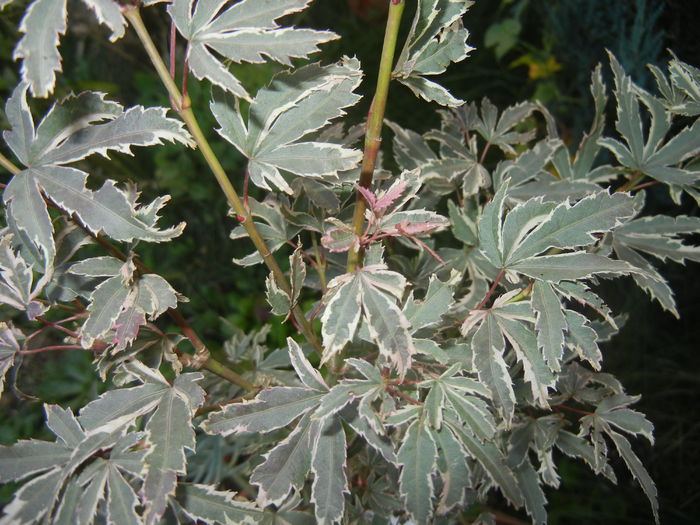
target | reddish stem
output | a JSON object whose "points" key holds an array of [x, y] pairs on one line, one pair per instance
{"points": [[575, 410], [492, 289], [52, 348], [398, 392]]}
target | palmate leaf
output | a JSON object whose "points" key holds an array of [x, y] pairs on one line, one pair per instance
{"points": [[122, 301], [369, 293], [535, 226], [295, 104], [67, 134], [436, 39], [17, 286], [246, 31], [71, 467], [652, 156]]}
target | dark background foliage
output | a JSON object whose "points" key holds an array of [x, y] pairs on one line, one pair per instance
{"points": [[525, 49]]}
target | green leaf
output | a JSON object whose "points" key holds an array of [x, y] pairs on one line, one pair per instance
{"points": [[550, 325], [534, 497], [243, 32], [35, 498], [122, 500], [169, 432], [573, 226], [341, 315], [43, 24], [106, 303], [328, 466], [295, 104], [273, 408], [571, 266], [309, 376], [417, 459], [637, 469], [493, 462], [205, 503], [436, 39], [455, 473], [287, 464], [488, 345], [387, 325], [434, 305]]}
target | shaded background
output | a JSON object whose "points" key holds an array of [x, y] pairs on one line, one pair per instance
{"points": [[525, 49]]}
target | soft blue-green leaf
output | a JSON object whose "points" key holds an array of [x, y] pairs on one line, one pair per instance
{"points": [[43, 24], [536, 371], [21, 134], [434, 305], [328, 466], [529, 165], [359, 424], [577, 447], [169, 432], [287, 464], [122, 500], [295, 104], [453, 468], [534, 497], [614, 411], [436, 39], [243, 32], [63, 423], [490, 236], [341, 315], [473, 412], [34, 499], [9, 346], [103, 266], [637, 469], [205, 503], [488, 345], [550, 325], [308, 375], [116, 408], [273, 408], [106, 303], [521, 220], [25, 458], [583, 338], [573, 226], [417, 459], [494, 463], [342, 394], [387, 325], [571, 266], [109, 14]]}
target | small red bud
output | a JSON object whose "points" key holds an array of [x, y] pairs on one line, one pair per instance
{"points": [[240, 218]]}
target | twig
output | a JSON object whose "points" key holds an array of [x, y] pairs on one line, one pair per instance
{"points": [[492, 289]]}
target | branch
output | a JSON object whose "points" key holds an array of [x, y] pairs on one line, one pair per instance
{"points": [[375, 120], [187, 115]]}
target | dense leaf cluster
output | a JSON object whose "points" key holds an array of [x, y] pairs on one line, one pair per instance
{"points": [[448, 367]]}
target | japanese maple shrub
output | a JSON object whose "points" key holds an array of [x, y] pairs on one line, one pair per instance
{"points": [[445, 368]]}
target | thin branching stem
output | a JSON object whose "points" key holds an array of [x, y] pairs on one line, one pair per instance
{"points": [[8, 165], [188, 116], [375, 120]]}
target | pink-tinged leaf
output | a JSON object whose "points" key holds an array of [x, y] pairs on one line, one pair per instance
{"points": [[126, 327], [369, 197], [417, 228], [340, 239], [390, 195]]}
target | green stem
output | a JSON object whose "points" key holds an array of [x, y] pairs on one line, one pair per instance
{"points": [[8, 165], [375, 120], [182, 107], [631, 182]]}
